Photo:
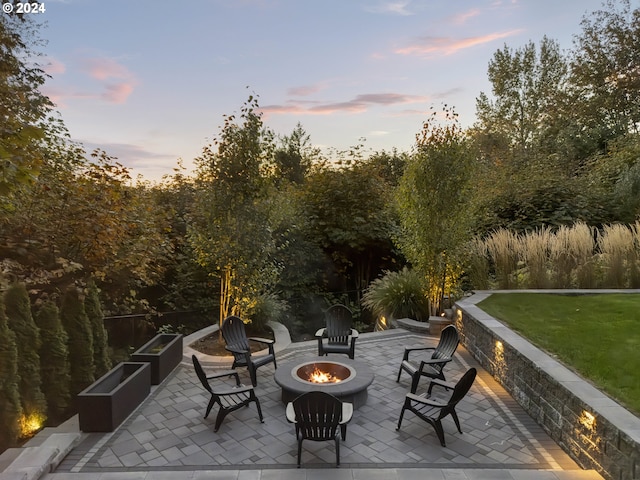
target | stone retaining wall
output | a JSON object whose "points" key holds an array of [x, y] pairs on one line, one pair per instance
{"points": [[596, 431]]}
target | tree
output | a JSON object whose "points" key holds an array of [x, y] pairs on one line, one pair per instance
{"points": [[435, 204], [348, 215], [231, 232], [54, 360], [24, 111], [18, 310], [605, 71], [10, 407], [527, 108], [76, 323], [294, 157], [101, 360]]}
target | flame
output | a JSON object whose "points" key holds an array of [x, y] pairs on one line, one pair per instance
{"points": [[318, 376]]}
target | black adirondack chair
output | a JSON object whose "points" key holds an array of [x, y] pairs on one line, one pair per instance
{"points": [[337, 336], [433, 366], [319, 416], [235, 337], [433, 411], [228, 399]]}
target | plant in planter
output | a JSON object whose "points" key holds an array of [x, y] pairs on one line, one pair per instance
{"points": [[397, 295], [163, 352], [108, 401]]}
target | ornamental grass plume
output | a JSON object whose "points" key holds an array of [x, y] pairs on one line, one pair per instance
{"points": [[398, 295], [582, 243], [502, 246], [534, 252], [477, 255], [616, 249]]}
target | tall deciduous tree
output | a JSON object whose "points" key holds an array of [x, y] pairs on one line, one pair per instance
{"points": [[18, 310], [231, 234], [349, 216], [605, 70], [101, 359], [435, 204], [23, 109], [54, 360], [526, 106], [10, 407], [78, 328], [294, 157]]}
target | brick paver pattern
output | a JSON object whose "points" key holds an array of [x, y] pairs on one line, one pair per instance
{"points": [[169, 431]]}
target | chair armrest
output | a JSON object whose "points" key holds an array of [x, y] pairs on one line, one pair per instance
{"points": [[223, 373], [435, 361], [266, 341], [347, 412], [443, 384], [425, 401], [320, 333], [233, 390], [409, 350], [290, 413], [354, 333], [233, 349]]}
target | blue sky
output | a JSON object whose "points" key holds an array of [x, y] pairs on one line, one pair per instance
{"points": [[150, 80]]}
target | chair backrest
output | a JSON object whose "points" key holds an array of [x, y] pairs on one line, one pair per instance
{"points": [[234, 333], [449, 340], [317, 415], [200, 372], [463, 386], [339, 320]]}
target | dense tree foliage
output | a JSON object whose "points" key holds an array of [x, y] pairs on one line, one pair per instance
{"points": [[24, 110], [231, 231], [54, 360], [435, 205], [92, 307], [20, 320], [10, 407], [605, 70], [78, 328]]}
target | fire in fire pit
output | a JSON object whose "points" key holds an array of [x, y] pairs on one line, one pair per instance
{"points": [[323, 372], [318, 376]]}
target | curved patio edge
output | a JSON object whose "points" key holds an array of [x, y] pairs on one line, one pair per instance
{"points": [[280, 334]]}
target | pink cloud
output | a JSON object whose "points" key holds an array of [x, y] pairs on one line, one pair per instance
{"points": [[117, 92], [462, 18], [359, 104], [303, 91], [426, 46], [104, 68], [394, 8], [116, 82]]}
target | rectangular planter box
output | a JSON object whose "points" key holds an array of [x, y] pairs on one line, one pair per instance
{"points": [[108, 401], [163, 352]]}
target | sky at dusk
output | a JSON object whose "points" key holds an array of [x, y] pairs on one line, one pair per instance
{"points": [[149, 81]]}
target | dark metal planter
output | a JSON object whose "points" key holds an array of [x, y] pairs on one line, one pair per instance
{"points": [[108, 401], [163, 352]]}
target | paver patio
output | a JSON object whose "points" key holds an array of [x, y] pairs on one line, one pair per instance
{"points": [[168, 434]]}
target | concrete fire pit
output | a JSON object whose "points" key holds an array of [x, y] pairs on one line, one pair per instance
{"points": [[354, 379]]}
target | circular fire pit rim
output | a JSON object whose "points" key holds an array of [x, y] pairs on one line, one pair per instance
{"points": [[354, 391], [296, 376]]}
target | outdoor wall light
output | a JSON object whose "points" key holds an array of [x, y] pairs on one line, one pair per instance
{"points": [[587, 420], [30, 424]]}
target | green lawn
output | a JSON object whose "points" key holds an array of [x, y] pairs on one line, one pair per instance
{"points": [[596, 335]]}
